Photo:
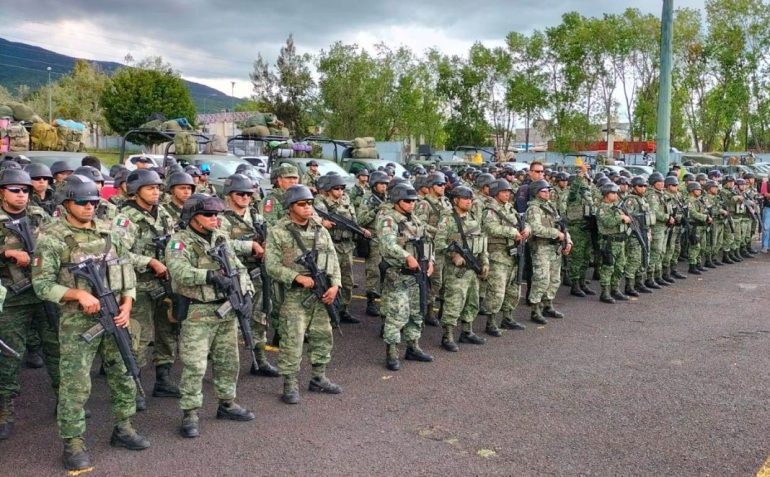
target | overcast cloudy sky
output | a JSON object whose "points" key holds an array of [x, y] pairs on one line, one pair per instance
{"points": [[216, 41]]}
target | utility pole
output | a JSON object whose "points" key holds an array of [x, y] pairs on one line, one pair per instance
{"points": [[232, 109], [50, 110], [663, 135]]}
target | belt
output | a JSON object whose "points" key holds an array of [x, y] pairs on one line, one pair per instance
{"points": [[193, 301]]}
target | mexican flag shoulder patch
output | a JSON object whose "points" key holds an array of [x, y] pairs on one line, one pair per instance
{"points": [[176, 245], [122, 222]]}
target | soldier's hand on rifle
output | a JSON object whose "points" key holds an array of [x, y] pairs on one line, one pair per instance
{"points": [[430, 268], [484, 272], [306, 282], [567, 249], [560, 236], [708, 220], [724, 213], [367, 233], [121, 319], [219, 281], [458, 260], [257, 249], [412, 263], [327, 223], [626, 219], [671, 220], [19, 257], [158, 267], [330, 295], [524, 235], [88, 302]]}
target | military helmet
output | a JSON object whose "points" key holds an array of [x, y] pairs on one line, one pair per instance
{"points": [[609, 188], [394, 182], [201, 203], [403, 191], [562, 176], [311, 163], [598, 176], [419, 182], [363, 172], [602, 181], [193, 171], [296, 193], [38, 170], [622, 181], [418, 170], [688, 177], [114, 169], [638, 181], [728, 178], [748, 175], [715, 173], [655, 177], [378, 177], [238, 183], [537, 186], [331, 181], [484, 179], [710, 184], [740, 182], [671, 181], [77, 187], [91, 172], [498, 186], [60, 166], [436, 178], [625, 173], [140, 178], [179, 178], [701, 176], [14, 177], [120, 177], [462, 192], [173, 169], [9, 164], [613, 173], [694, 185], [406, 174]]}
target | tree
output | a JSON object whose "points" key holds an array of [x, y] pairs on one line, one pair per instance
{"points": [[526, 93], [134, 94], [78, 95], [287, 88]]}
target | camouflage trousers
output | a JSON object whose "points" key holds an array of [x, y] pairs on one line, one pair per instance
{"points": [[580, 256], [673, 246], [15, 323], [373, 268], [77, 357], [610, 274], [461, 295], [658, 235], [155, 327], [694, 252], [747, 232], [501, 292], [204, 334], [401, 307], [258, 317], [295, 321], [634, 265], [345, 258], [546, 271], [713, 239], [437, 281]]}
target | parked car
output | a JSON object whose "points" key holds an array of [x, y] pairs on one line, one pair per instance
{"points": [[353, 166], [73, 159], [157, 160], [221, 167], [324, 167], [642, 171]]}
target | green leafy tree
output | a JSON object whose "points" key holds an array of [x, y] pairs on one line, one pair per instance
{"points": [[134, 94], [526, 92]]}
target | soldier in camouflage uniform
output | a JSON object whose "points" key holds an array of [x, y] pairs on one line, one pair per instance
{"points": [[42, 193], [120, 184], [106, 210], [333, 199], [204, 186], [245, 228], [400, 232], [179, 188], [546, 252], [301, 230], [730, 245], [461, 285], [310, 177], [24, 314], [360, 188], [661, 208], [501, 225], [714, 235], [580, 210], [60, 171], [145, 227], [742, 219], [197, 278], [367, 213], [71, 240], [699, 219], [613, 224], [674, 238], [429, 210], [560, 192], [636, 204]]}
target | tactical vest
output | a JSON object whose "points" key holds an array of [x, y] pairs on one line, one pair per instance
{"points": [[145, 233], [437, 206], [619, 228], [200, 259], [581, 208], [290, 251], [473, 233], [16, 279], [242, 230], [501, 244], [343, 208], [642, 211]]}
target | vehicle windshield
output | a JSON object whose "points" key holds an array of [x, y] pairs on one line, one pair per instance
{"points": [[74, 161], [223, 169], [324, 167], [374, 164]]}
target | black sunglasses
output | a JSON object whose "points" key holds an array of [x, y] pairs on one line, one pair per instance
{"points": [[83, 203], [17, 190], [408, 201], [209, 214], [244, 194], [39, 178], [338, 188], [303, 203]]}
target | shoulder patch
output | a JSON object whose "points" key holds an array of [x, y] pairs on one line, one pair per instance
{"points": [[122, 222], [37, 261], [269, 205], [387, 222], [176, 245]]}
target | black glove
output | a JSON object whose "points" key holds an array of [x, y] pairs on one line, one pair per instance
{"points": [[219, 281]]}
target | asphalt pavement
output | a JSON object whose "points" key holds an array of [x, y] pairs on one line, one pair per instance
{"points": [[674, 383]]}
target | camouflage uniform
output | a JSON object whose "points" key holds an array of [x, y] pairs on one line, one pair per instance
{"points": [[579, 210], [309, 179], [613, 235], [205, 188], [358, 194], [24, 310], [203, 333], [542, 218], [61, 244], [47, 203], [661, 209], [429, 210], [343, 243], [635, 271], [674, 239], [296, 319], [698, 218], [367, 213]]}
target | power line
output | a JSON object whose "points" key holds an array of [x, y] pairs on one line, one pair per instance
{"points": [[31, 69]]}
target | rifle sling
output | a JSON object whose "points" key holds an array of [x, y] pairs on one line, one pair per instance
{"points": [[459, 223]]}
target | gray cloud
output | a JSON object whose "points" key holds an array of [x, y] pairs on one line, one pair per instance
{"points": [[221, 38]]}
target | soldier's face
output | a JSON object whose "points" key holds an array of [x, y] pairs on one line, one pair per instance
{"points": [[15, 197], [337, 192], [640, 190], [286, 182], [40, 184], [659, 185], [60, 176], [207, 221], [149, 194], [302, 210], [438, 189], [544, 194], [81, 213], [380, 187], [463, 204], [406, 206], [611, 197], [241, 200], [181, 192], [503, 196]]}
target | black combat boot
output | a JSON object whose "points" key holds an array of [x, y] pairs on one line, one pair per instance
{"points": [[550, 312], [124, 435], [701, 267], [430, 318], [726, 258], [290, 390], [263, 366], [630, 290], [228, 409], [391, 357], [586, 289], [190, 424], [141, 403], [662, 281], [346, 317], [709, 263], [617, 295], [747, 252], [508, 323], [536, 314], [715, 260], [606, 297], [491, 328], [7, 417], [34, 358], [693, 270], [676, 274], [372, 309], [652, 284], [640, 287], [414, 353], [164, 386], [448, 340], [736, 256], [75, 455], [469, 337], [575, 290], [321, 384], [666, 276]]}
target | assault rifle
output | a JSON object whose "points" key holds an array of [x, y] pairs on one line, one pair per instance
{"points": [[8, 351], [236, 300], [470, 260], [160, 243], [343, 222], [321, 283], [20, 228], [95, 275], [561, 224], [751, 206], [521, 250], [423, 281], [636, 227]]}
